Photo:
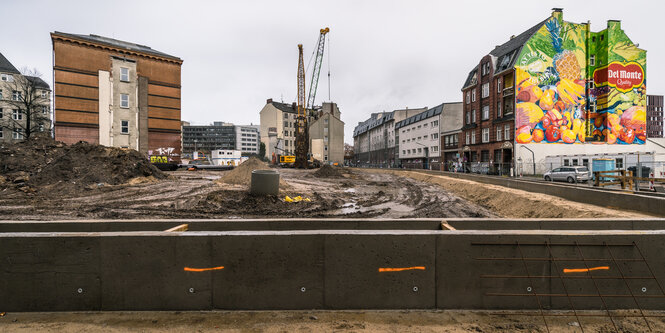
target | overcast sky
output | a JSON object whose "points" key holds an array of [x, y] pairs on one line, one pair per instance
{"points": [[383, 55]]}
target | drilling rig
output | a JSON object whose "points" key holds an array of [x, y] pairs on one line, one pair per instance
{"points": [[305, 108]]}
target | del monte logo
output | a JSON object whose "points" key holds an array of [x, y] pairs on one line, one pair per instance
{"points": [[622, 77]]}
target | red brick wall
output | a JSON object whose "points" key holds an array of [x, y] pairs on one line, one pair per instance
{"points": [[70, 135]]}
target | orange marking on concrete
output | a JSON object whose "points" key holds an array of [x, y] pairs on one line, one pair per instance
{"points": [[189, 269], [399, 269], [583, 270]]}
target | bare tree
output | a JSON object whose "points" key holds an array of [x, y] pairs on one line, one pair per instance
{"points": [[29, 100]]}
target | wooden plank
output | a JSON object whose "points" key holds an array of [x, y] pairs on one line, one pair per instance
{"points": [[180, 228]]}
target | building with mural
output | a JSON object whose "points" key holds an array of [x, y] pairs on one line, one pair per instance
{"points": [[557, 88]]}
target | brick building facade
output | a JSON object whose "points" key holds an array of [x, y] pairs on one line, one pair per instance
{"points": [[116, 93]]}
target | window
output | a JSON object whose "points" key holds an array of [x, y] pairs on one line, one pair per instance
{"points": [[420, 150], [473, 137], [41, 127], [592, 60], [124, 74], [486, 112], [124, 101], [0, 94], [575, 161], [43, 93], [468, 138], [468, 97], [44, 109], [286, 116], [0, 113], [468, 117], [498, 110], [473, 95], [419, 126], [124, 126], [498, 133], [7, 77], [435, 136], [473, 116], [424, 125], [18, 134], [486, 68], [1, 135], [619, 164], [506, 132], [17, 115], [486, 135], [566, 162], [325, 121], [16, 95], [486, 90], [498, 85], [436, 123], [403, 152]]}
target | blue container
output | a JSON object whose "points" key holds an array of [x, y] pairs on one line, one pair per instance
{"points": [[602, 164]]}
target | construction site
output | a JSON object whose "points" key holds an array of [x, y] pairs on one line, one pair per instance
{"points": [[341, 245], [105, 225]]}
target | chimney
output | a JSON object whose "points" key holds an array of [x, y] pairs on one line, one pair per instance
{"points": [[557, 13], [269, 101], [611, 24]]}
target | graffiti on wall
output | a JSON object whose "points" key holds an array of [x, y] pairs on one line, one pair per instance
{"points": [[563, 97], [162, 155]]}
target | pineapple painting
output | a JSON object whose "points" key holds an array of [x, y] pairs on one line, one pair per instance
{"points": [[554, 102], [565, 62]]}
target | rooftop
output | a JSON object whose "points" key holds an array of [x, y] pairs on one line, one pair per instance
{"points": [[117, 43], [6, 66]]}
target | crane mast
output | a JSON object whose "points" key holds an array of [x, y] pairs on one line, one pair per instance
{"points": [[318, 60], [302, 130]]}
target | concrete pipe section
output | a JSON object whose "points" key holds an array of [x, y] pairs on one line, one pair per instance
{"points": [[264, 182], [332, 264]]}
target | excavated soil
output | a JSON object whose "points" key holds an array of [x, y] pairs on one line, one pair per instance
{"points": [[327, 171], [357, 194], [42, 165]]}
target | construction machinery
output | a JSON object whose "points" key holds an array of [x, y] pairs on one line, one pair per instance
{"points": [[304, 108]]}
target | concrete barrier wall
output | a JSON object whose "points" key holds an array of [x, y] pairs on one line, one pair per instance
{"points": [[334, 224], [606, 198], [327, 269]]}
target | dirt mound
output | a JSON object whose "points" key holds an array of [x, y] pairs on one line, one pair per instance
{"points": [[242, 174], [326, 171], [42, 164]]}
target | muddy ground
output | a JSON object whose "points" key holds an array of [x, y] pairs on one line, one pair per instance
{"points": [[349, 193], [320, 321]]}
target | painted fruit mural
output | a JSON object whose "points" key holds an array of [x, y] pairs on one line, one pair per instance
{"points": [[551, 87]]}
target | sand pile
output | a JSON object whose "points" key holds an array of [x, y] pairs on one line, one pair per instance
{"points": [[326, 171], [242, 174], [42, 163]]}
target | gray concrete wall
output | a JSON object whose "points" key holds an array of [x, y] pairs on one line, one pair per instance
{"points": [[333, 224], [325, 269]]}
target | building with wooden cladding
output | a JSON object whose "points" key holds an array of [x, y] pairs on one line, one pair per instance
{"points": [[116, 93]]}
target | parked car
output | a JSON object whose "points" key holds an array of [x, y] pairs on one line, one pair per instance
{"points": [[571, 174]]}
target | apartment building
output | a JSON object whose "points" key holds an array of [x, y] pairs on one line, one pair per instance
{"points": [[419, 143], [326, 134], [557, 88], [451, 128], [248, 139], [326, 131], [375, 142], [22, 97], [116, 93]]}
